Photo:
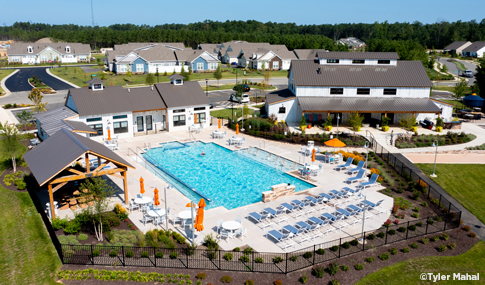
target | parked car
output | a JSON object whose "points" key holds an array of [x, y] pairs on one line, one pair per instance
{"points": [[211, 104], [244, 86], [244, 98], [467, 73]]}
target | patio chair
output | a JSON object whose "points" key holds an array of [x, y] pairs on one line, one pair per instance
{"points": [[372, 182], [241, 233], [260, 219], [347, 164], [303, 149], [176, 219], [313, 232], [239, 220], [296, 233], [225, 234], [359, 167], [348, 216], [219, 225], [360, 176], [146, 219], [133, 206], [325, 227], [326, 196]]}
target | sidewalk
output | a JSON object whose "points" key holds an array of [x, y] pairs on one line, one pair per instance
{"points": [[464, 158]]}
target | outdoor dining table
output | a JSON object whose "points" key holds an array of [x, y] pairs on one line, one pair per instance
{"points": [[185, 215], [236, 139], [195, 128], [143, 200], [218, 134], [231, 225], [156, 213]]}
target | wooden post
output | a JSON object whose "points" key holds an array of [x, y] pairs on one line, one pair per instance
{"points": [[414, 115], [99, 161], [125, 187], [385, 115], [51, 198], [88, 167]]}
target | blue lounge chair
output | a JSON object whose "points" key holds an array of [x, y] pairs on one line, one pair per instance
{"points": [[353, 208], [329, 216], [315, 220], [260, 219], [347, 164], [326, 196], [359, 167], [359, 176], [372, 181], [296, 233], [281, 238]]}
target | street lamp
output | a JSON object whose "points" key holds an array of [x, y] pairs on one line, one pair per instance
{"points": [[435, 143], [236, 74], [366, 146], [363, 215], [242, 115], [206, 88], [338, 118], [166, 218], [158, 74]]}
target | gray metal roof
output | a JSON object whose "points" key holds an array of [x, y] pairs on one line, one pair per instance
{"points": [[53, 120], [455, 45], [404, 74], [76, 48], [357, 55], [308, 53], [373, 105], [115, 99], [60, 150], [188, 94], [192, 54], [474, 47], [279, 96], [78, 126], [95, 80]]}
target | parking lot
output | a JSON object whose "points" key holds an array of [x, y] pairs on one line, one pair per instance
{"points": [[221, 98]]}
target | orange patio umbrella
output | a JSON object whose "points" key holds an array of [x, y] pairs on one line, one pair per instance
{"points": [[142, 186], [335, 143], [219, 124], [237, 129], [200, 216], [313, 155], [109, 134], [156, 197]]}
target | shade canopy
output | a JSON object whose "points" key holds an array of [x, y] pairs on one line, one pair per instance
{"points": [[473, 101], [335, 143]]}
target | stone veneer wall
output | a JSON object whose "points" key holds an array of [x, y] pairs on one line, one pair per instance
{"points": [[277, 191]]}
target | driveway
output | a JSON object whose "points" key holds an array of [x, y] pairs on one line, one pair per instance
{"points": [[453, 69], [18, 82]]}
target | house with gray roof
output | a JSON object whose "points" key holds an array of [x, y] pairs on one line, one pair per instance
{"points": [[337, 84], [457, 47], [48, 123], [352, 42], [477, 49], [307, 53], [274, 57], [33, 53]]}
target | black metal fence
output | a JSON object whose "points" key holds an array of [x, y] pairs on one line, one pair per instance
{"points": [[266, 262]]}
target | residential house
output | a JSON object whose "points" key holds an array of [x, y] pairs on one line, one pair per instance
{"points": [[34, 53], [276, 57], [352, 42], [372, 83], [307, 53], [198, 60], [231, 51], [477, 49], [457, 47], [134, 111]]}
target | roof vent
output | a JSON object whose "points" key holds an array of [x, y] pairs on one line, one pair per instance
{"points": [[128, 90], [152, 87], [319, 70]]}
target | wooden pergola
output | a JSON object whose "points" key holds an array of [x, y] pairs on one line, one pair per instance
{"points": [[50, 161]]}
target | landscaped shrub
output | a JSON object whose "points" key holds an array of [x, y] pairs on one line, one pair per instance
{"points": [[248, 250], [113, 253], [226, 279], [82, 237], [344, 268], [211, 254], [72, 227], [401, 229], [236, 249], [381, 235], [244, 258], [96, 253], [466, 228], [129, 253], [415, 215], [144, 254], [424, 204], [419, 224], [320, 251], [472, 235], [228, 256], [173, 255], [371, 237], [445, 236], [413, 245], [201, 275], [393, 250], [278, 282], [346, 245], [424, 240], [249, 282], [435, 238], [442, 248], [438, 218], [334, 248], [412, 228], [333, 268], [318, 271], [391, 232], [334, 282], [354, 242], [430, 221], [258, 260], [159, 254], [452, 245], [308, 254], [294, 258], [405, 249], [359, 266], [278, 259], [369, 259]]}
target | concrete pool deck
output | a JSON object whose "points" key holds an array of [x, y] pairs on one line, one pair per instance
{"points": [[329, 179]]}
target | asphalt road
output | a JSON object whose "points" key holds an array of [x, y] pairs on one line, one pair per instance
{"points": [[19, 81], [453, 69]]}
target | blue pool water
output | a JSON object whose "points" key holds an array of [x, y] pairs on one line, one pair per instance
{"points": [[228, 178]]}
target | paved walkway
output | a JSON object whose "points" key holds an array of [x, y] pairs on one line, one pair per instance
{"points": [[461, 158]]}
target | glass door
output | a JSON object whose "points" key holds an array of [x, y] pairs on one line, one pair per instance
{"points": [[139, 123], [149, 122], [163, 121]]}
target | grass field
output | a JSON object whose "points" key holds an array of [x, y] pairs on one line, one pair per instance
{"points": [[459, 65], [462, 181], [26, 251], [408, 272], [3, 74], [456, 104], [468, 89], [227, 113]]}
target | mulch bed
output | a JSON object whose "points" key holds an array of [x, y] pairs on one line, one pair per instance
{"points": [[463, 244], [10, 171]]}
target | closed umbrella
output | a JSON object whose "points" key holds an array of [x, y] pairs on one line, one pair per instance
{"points": [[219, 124], [156, 197], [142, 186], [200, 216], [313, 155], [109, 134], [237, 129]]}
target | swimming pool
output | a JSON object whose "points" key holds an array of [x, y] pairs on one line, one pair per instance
{"points": [[228, 178]]}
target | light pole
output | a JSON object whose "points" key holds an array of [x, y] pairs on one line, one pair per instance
{"points": [[158, 74], [236, 73], [363, 215], [338, 118], [242, 115], [366, 146], [166, 213], [435, 143], [206, 88]]}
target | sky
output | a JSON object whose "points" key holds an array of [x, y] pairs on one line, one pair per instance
{"points": [[301, 12]]}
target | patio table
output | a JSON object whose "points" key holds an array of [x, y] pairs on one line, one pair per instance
{"points": [[143, 200], [231, 225], [218, 134], [185, 215], [236, 139], [156, 213]]}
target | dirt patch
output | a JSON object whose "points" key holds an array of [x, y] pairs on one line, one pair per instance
{"points": [[463, 243]]}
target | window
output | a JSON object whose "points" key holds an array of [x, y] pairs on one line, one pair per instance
{"points": [[213, 65], [333, 60], [358, 61], [83, 58], [16, 58], [179, 111], [276, 65], [120, 117], [179, 120], [199, 108], [93, 119], [140, 68], [98, 128], [97, 86], [200, 117], [68, 49], [43, 58], [200, 66], [390, 91], [282, 110], [363, 91], [336, 91], [383, 61], [122, 68], [178, 81], [120, 127], [30, 49]]}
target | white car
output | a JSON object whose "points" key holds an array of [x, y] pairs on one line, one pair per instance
{"points": [[244, 98]]}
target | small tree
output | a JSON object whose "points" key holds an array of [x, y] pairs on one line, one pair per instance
{"points": [[157, 74], [10, 142], [190, 69], [173, 71], [128, 70], [385, 121], [246, 111], [218, 73], [65, 67], [149, 79], [239, 92], [407, 121], [25, 117], [103, 76], [99, 192], [36, 97], [165, 73], [460, 89], [355, 121], [267, 76], [328, 121], [263, 66], [303, 121]]}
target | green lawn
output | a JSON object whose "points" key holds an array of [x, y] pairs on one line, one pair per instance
{"points": [[227, 113], [3, 74], [459, 65], [462, 181], [26, 251], [468, 89]]}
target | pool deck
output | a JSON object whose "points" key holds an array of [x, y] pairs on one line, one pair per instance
{"points": [[329, 179]]}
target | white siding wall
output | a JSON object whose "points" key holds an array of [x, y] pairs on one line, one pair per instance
{"points": [[480, 52], [286, 64], [292, 114], [352, 92], [156, 120], [70, 58], [189, 117], [109, 118], [349, 62], [152, 68]]}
